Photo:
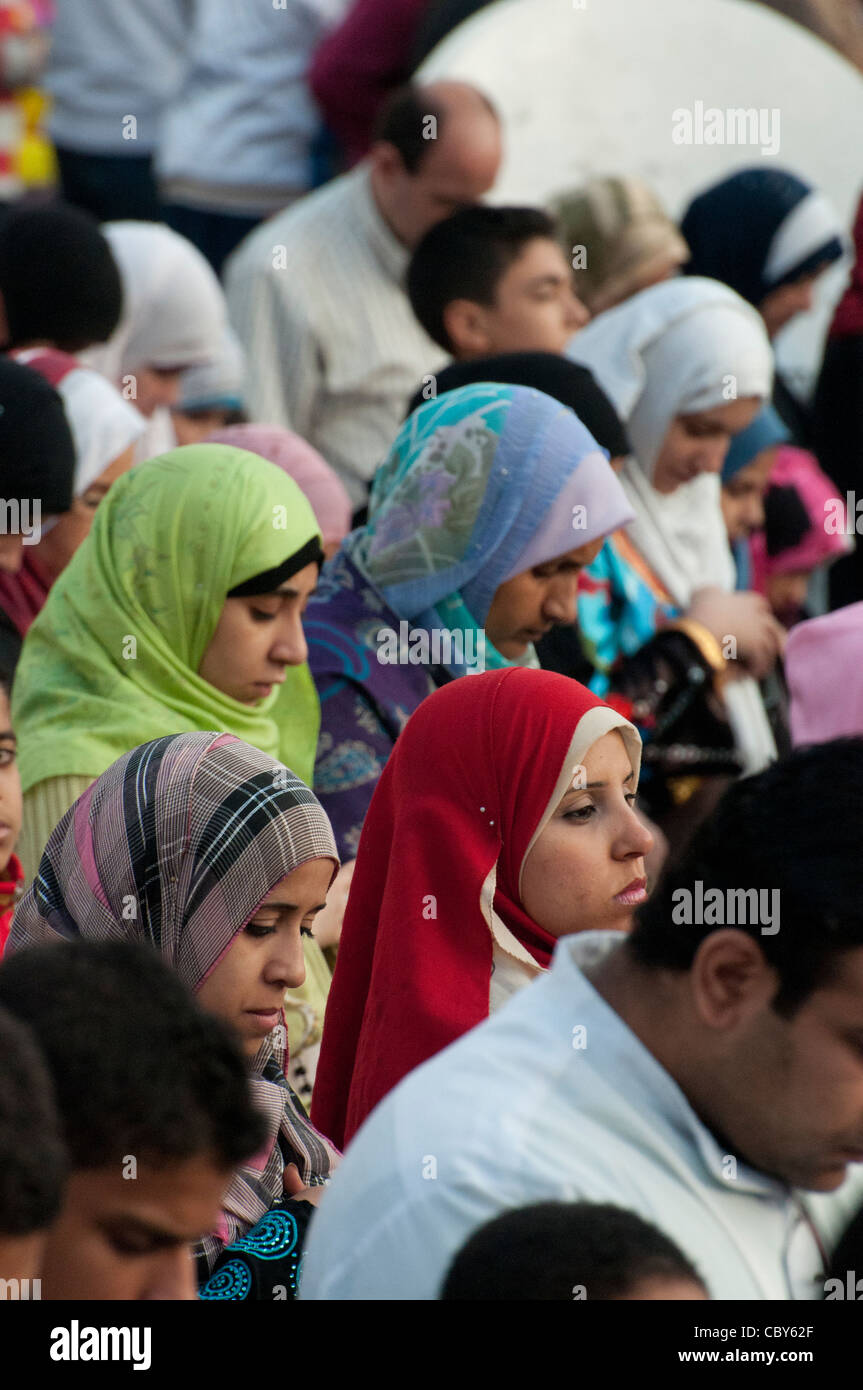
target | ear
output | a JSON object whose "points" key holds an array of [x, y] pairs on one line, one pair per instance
{"points": [[731, 979], [385, 159], [466, 324]]}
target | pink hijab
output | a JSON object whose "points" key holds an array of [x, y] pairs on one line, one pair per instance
{"points": [[798, 469], [824, 670], [312, 474]]}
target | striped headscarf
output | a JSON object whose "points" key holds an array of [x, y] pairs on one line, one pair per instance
{"points": [[177, 845]]}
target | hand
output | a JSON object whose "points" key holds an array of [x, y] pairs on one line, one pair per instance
{"points": [[327, 926], [746, 617], [294, 1189]]}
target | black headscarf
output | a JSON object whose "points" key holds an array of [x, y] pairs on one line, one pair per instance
{"points": [[566, 381], [37, 452]]}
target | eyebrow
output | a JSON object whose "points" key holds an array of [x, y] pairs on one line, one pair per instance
{"points": [[136, 1225], [8, 736], [542, 280], [592, 786], [285, 593], [288, 907]]}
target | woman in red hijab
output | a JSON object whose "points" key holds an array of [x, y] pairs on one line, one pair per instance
{"points": [[503, 819]]}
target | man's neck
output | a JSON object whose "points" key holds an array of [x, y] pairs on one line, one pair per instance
{"points": [[379, 202]]}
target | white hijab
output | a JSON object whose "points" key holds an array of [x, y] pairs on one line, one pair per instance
{"points": [[174, 313], [678, 347]]}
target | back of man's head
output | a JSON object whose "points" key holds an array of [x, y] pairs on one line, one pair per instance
{"points": [[137, 1067], [792, 835], [32, 1153], [59, 282]]}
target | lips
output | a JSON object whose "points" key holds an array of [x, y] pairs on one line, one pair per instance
{"points": [[634, 893]]}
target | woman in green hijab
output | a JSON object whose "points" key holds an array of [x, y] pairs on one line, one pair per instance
{"points": [[181, 611]]}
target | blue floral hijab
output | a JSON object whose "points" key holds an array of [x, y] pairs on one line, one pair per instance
{"points": [[481, 483]]}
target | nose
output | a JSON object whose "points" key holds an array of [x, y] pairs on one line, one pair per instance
{"points": [[173, 1277], [753, 515], [635, 839], [560, 601], [12, 554], [577, 313], [286, 968], [290, 648], [712, 455]]}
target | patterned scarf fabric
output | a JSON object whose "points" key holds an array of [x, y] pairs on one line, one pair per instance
{"points": [[177, 845], [473, 479]]}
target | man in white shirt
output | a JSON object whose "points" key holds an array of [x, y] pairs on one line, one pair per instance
{"points": [[700, 1072], [317, 295]]}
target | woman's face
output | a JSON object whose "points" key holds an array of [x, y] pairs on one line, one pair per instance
{"points": [[697, 443], [743, 496], [781, 305], [59, 545], [156, 386], [246, 988], [586, 869], [527, 606], [257, 638]]}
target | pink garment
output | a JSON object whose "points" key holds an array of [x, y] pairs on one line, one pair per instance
{"points": [[311, 473], [824, 671], [799, 469]]}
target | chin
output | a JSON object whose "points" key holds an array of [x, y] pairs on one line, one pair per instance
{"points": [[822, 1179]]}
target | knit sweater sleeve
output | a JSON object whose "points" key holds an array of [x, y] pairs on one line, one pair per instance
{"points": [[44, 805]]}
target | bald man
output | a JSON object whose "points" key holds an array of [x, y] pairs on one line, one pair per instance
{"points": [[317, 295]]}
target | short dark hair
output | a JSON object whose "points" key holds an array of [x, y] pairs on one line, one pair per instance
{"points": [[553, 1249], [401, 122], [32, 1152], [796, 827], [138, 1067], [465, 256], [58, 278]]}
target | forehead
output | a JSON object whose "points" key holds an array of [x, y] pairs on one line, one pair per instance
{"points": [[539, 256]]}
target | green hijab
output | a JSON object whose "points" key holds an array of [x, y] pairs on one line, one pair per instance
{"points": [[111, 661]]}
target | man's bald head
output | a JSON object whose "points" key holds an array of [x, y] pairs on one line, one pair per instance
{"points": [[437, 149]]}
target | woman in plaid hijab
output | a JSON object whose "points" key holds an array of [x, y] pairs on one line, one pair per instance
{"points": [[217, 856]]}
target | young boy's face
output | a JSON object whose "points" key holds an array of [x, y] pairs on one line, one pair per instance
{"points": [[535, 308], [10, 785], [125, 1232]]}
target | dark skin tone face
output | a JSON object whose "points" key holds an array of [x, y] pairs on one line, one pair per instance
{"points": [[130, 1237], [786, 1094], [256, 638]]}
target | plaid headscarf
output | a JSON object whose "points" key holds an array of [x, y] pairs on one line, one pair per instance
{"points": [[177, 845]]}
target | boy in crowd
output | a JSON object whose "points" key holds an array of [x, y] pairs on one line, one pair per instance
{"points": [[154, 1100], [493, 279], [574, 1251], [32, 1159]]}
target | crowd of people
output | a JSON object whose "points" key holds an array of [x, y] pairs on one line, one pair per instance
{"points": [[328, 972]]}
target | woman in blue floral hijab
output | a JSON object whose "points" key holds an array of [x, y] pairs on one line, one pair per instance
{"points": [[489, 503]]}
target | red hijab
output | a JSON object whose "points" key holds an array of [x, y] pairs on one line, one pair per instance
{"points": [[474, 777]]}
